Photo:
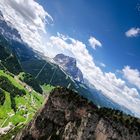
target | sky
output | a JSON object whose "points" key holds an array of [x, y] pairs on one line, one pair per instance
{"points": [[107, 20], [102, 35]]}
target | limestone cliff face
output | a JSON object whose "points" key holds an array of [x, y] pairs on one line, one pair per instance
{"points": [[69, 65], [67, 116]]}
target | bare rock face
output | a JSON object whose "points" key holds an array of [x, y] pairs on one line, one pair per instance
{"points": [[69, 65], [68, 116]]}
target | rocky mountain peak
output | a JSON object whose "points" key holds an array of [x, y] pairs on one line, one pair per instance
{"points": [[69, 65]]}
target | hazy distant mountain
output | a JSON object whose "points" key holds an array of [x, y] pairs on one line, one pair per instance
{"points": [[70, 66], [7, 31]]}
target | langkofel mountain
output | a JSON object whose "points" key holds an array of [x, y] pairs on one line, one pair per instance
{"points": [[69, 65]]}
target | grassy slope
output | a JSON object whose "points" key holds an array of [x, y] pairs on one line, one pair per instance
{"points": [[29, 103], [47, 88], [27, 106]]}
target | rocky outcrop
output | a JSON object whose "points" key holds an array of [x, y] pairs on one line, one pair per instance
{"points": [[68, 116], [69, 65]]}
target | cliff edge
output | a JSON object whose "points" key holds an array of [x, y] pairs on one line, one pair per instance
{"points": [[68, 116]]}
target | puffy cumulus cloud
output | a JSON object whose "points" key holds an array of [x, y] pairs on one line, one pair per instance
{"points": [[29, 18], [132, 75], [133, 32], [114, 88], [94, 43]]}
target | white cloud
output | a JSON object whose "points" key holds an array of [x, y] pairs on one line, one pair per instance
{"points": [[114, 88], [94, 43], [29, 18], [132, 75], [133, 32], [102, 65]]}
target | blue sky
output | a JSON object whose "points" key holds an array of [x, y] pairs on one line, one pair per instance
{"points": [[107, 20], [102, 35]]}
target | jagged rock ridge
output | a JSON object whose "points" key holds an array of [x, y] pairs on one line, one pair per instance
{"points": [[68, 116]]}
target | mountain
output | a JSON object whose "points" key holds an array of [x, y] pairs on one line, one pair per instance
{"points": [[18, 100], [68, 116], [69, 65], [32, 62], [7, 31], [8, 58], [48, 72]]}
